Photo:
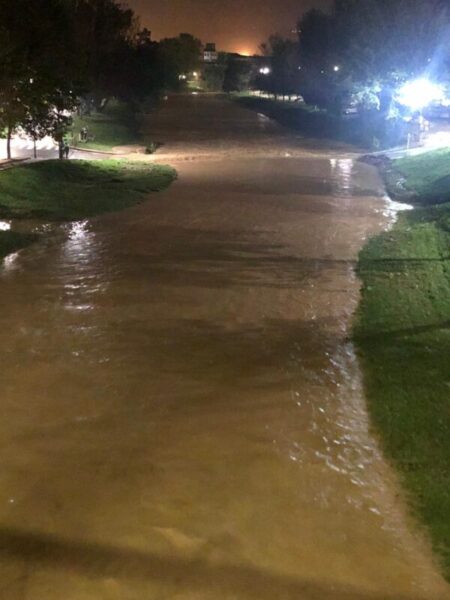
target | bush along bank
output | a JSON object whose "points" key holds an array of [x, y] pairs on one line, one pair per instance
{"points": [[366, 130], [402, 332]]}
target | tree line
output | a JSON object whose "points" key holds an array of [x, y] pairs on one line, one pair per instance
{"points": [[362, 47], [58, 56]]}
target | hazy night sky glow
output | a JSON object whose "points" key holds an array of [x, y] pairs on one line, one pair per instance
{"points": [[235, 25]]}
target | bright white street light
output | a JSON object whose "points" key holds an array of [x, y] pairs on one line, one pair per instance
{"points": [[264, 70], [336, 68], [420, 93]]}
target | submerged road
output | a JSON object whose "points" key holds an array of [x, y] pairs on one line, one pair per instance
{"points": [[182, 412]]}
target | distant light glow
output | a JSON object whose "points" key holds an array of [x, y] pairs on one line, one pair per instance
{"points": [[264, 70], [420, 93], [336, 68]]}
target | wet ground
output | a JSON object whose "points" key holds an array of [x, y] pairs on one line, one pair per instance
{"points": [[182, 411]]}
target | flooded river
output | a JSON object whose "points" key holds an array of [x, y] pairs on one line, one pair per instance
{"points": [[182, 415]]}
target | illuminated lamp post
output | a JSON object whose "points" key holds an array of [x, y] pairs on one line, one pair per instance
{"points": [[420, 93], [417, 95]]}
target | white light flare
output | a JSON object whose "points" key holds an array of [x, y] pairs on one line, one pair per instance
{"points": [[420, 93], [437, 140]]}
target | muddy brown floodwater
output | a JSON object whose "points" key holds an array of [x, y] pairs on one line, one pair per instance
{"points": [[182, 414]]}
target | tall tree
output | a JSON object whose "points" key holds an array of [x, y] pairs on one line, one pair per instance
{"points": [[214, 74], [370, 43], [179, 56], [103, 31], [37, 62], [284, 57], [139, 74], [382, 40], [238, 74]]}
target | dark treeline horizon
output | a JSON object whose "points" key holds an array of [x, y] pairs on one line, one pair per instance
{"points": [[233, 26], [58, 56]]}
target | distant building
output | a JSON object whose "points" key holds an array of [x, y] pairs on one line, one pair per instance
{"points": [[210, 54]]}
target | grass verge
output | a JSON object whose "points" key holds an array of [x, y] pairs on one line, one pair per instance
{"points": [[71, 190], [312, 121], [426, 177], [116, 126], [403, 336], [302, 117]]}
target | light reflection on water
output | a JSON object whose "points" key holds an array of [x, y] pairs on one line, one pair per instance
{"points": [[80, 241], [9, 262], [336, 431], [392, 208], [342, 170], [82, 255]]}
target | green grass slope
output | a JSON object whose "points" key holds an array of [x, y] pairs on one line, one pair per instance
{"points": [[403, 335], [427, 175], [116, 126], [70, 190]]}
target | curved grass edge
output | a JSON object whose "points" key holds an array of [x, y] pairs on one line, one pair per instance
{"points": [[402, 335], [55, 190], [12, 241]]}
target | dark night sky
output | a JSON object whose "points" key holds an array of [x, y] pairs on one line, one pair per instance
{"points": [[236, 25]]}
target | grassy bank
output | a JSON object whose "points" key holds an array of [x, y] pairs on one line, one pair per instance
{"points": [[71, 190], [426, 177], [312, 121], [117, 125], [299, 116], [403, 335]]}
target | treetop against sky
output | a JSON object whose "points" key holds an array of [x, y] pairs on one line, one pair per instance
{"points": [[234, 25]]}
